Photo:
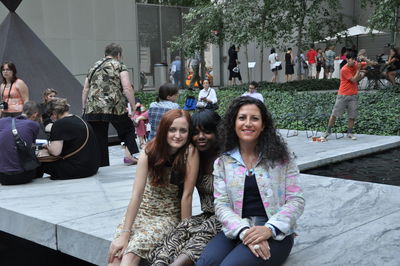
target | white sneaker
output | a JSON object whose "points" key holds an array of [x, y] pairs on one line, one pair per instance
{"points": [[324, 136], [351, 136]]}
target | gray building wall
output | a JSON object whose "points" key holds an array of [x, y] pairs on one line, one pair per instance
{"points": [[77, 31]]}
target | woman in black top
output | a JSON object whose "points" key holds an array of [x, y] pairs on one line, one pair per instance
{"points": [[68, 134], [289, 65], [233, 67]]}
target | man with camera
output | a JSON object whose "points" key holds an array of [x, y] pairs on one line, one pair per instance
{"points": [[11, 172], [347, 98]]}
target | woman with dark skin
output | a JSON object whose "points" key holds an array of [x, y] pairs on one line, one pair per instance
{"points": [[184, 245]]}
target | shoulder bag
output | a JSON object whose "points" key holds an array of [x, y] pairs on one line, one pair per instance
{"points": [[45, 157], [26, 155]]}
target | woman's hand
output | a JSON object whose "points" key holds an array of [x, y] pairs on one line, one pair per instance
{"points": [[117, 247], [260, 250], [256, 234]]}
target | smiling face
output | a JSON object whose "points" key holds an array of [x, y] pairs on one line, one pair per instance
{"points": [[248, 124], [50, 97], [178, 134], [204, 139]]}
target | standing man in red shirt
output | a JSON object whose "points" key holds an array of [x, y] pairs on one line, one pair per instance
{"points": [[312, 61], [347, 98]]}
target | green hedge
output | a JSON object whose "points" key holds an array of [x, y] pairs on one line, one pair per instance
{"points": [[297, 85], [379, 112]]}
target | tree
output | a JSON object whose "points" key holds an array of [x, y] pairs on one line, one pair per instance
{"points": [[307, 21], [385, 15], [175, 2]]}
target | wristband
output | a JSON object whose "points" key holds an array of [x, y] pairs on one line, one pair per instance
{"points": [[272, 228], [241, 235]]}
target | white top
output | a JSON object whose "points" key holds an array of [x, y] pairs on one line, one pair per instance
{"points": [[255, 95], [209, 94], [272, 60]]}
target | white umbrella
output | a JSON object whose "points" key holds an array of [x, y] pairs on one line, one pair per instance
{"points": [[355, 31]]}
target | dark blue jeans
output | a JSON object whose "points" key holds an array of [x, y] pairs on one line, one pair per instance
{"points": [[227, 252]]}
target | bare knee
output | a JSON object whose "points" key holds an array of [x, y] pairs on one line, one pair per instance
{"points": [[130, 259], [116, 262]]}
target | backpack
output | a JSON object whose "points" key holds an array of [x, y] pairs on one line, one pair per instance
{"points": [[190, 103]]}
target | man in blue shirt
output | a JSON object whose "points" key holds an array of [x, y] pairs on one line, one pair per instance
{"points": [[11, 172], [176, 71]]}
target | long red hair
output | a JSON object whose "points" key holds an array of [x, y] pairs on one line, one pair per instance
{"points": [[157, 149]]}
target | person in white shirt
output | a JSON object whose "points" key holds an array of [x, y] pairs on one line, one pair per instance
{"points": [[207, 96], [252, 92], [273, 64]]}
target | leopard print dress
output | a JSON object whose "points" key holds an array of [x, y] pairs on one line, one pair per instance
{"points": [[159, 213], [191, 235]]}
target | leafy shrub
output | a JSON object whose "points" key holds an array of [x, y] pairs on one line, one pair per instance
{"points": [[379, 112]]}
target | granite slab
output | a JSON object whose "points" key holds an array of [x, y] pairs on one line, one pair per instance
{"points": [[374, 243], [78, 217], [335, 206]]}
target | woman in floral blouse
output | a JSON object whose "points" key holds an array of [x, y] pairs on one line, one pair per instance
{"points": [[257, 195]]}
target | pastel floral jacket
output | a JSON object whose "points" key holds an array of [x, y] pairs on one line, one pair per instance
{"points": [[280, 192]]}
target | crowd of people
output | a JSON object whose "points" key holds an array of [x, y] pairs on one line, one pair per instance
{"points": [[244, 173]]}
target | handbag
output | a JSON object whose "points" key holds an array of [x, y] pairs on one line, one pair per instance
{"points": [[48, 158], [212, 106], [278, 65], [236, 69], [26, 155], [201, 104]]}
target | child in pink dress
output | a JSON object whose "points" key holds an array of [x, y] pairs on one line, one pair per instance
{"points": [[140, 118]]}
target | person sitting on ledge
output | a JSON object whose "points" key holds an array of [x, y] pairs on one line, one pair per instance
{"points": [[166, 100], [162, 193], [48, 95], [70, 135], [257, 195], [11, 172], [185, 243]]}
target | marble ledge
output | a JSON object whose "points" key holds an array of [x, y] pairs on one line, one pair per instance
{"points": [[98, 230], [374, 243], [341, 205]]}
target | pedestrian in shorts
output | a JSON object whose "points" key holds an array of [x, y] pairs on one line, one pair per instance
{"points": [[347, 98]]}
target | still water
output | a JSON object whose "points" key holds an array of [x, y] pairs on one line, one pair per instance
{"points": [[383, 167]]}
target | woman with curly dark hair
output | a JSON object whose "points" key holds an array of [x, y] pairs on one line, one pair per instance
{"points": [[257, 195]]}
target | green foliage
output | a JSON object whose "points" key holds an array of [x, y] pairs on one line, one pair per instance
{"points": [[175, 2], [200, 23], [379, 112], [298, 85], [384, 14], [310, 21]]}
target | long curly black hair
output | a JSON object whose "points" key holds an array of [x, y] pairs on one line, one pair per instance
{"points": [[274, 150]]}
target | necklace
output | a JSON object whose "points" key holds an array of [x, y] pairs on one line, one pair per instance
{"points": [[250, 166]]}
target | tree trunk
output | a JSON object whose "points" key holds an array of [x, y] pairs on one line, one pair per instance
{"points": [[262, 62], [246, 53]]}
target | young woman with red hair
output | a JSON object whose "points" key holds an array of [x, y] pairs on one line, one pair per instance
{"points": [[162, 193]]}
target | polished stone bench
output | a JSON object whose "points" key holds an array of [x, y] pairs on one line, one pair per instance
{"points": [[345, 222]]}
